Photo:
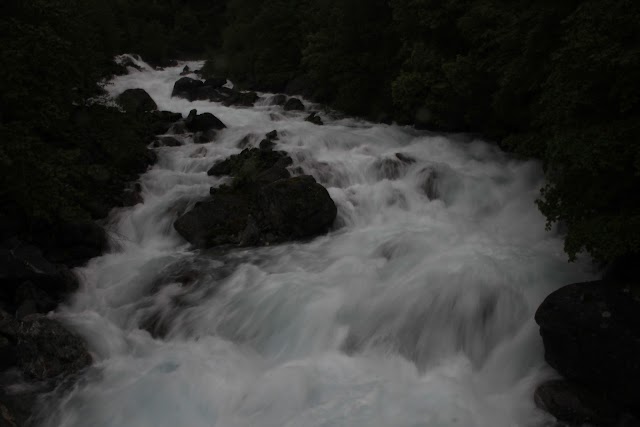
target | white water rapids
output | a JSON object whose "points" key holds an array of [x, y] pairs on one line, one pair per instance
{"points": [[410, 312]]}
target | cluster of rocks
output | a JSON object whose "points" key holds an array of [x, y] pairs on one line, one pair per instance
{"points": [[214, 90], [591, 335], [35, 350], [262, 205]]}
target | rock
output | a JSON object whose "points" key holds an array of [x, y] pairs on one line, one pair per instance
{"points": [[128, 62], [406, 159], [186, 88], [263, 205], [205, 137], [293, 104], [161, 121], [73, 243], [45, 349], [266, 144], [21, 262], [29, 299], [389, 168], [203, 122], [576, 405], [132, 196], [167, 141], [298, 207], [218, 221], [186, 70], [285, 209], [136, 101], [242, 99], [215, 82], [272, 136], [252, 165], [278, 99], [314, 118], [591, 335]]}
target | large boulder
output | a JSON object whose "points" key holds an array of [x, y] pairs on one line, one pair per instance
{"points": [[591, 335], [284, 210], [577, 406], [136, 101], [203, 122], [293, 104], [187, 88], [298, 207], [263, 204]]}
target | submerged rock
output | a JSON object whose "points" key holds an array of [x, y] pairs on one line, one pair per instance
{"points": [[136, 101], [314, 118], [591, 335]]}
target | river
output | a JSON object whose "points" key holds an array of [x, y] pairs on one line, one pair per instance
{"points": [[415, 310]]}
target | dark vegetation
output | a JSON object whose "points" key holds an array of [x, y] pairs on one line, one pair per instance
{"points": [[66, 160]]}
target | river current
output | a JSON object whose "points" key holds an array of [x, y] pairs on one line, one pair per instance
{"points": [[416, 309]]}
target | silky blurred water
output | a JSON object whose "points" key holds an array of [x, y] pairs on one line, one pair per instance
{"points": [[415, 310]]}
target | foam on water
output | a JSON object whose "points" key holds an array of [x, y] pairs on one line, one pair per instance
{"points": [[416, 310]]}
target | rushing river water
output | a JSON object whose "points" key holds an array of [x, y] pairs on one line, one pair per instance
{"points": [[415, 310]]}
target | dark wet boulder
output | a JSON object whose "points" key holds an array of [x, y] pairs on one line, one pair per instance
{"points": [[203, 122], [186, 88], [314, 118], [215, 82], [293, 104], [283, 210], [136, 101], [269, 141], [298, 207], [591, 335], [186, 70], [577, 406], [217, 221], [45, 349]]}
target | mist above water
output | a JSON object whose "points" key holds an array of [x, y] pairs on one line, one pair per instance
{"points": [[415, 310]]}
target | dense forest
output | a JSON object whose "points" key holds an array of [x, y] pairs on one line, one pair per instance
{"points": [[553, 80]]}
